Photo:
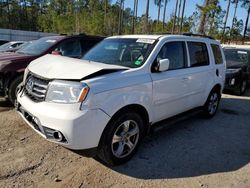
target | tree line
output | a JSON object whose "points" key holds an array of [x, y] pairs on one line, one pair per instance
{"points": [[106, 17]]}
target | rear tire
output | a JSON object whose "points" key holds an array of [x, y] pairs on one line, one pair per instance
{"points": [[13, 88], [211, 106], [121, 138]]}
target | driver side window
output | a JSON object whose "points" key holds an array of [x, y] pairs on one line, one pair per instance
{"points": [[175, 52]]}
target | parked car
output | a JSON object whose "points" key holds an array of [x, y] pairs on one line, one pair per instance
{"points": [[107, 102], [238, 69], [11, 46], [12, 65]]}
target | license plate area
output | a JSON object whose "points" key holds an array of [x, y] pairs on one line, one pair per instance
{"points": [[30, 118]]}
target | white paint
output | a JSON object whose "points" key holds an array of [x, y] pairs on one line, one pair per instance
{"points": [[162, 94]]}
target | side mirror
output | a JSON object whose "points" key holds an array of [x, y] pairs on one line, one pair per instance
{"points": [[56, 53], [163, 65]]}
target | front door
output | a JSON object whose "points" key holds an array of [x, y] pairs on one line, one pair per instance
{"points": [[170, 87]]}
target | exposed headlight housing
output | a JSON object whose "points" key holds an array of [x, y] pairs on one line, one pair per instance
{"points": [[26, 71], [66, 92], [231, 71]]}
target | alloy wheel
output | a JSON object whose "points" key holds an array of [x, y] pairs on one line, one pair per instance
{"points": [[213, 103], [125, 138]]}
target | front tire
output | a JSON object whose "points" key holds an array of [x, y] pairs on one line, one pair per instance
{"points": [[13, 88], [121, 138], [211, 106]]}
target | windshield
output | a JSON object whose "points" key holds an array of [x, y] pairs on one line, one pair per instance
{"points": [[234, 55], [37, 47], [124, 52]]}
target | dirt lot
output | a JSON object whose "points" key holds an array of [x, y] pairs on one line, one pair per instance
{"points": [[193, 153]]}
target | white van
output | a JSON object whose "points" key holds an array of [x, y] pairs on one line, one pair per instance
{"points": [[108, 100]]}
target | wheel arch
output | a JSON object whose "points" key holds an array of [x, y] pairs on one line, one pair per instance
{"points": [[141, 110], [217, 87], [10, 77]]}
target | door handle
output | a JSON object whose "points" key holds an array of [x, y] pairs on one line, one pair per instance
{"points": [[217, 72]]}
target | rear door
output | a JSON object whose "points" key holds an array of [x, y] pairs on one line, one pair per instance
{"points": [[201, 73], [219, 63]]}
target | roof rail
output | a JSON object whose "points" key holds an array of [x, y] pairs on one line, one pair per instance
{"points": [[197, 35], [185, 34]]}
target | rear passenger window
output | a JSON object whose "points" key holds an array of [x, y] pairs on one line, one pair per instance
{"points": [[175, 52], [217, 54], [198, 54], [88, 44]]}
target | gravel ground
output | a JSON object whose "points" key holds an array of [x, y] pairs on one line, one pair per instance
{"points": [[192, 153]]}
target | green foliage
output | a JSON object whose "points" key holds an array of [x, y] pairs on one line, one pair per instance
{"points": [[101, 17]]}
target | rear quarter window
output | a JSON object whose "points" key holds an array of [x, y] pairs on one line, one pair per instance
{"points": [[217, 54], [198, 54]]}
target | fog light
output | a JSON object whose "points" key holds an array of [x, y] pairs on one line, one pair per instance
{"points": [[232, 82], [58, 136], [54, 135]]}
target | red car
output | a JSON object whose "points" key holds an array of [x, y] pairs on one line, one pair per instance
{"points": [[12, 65]]}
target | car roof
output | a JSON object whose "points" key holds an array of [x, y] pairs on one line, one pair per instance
{"points": [[62, 37], [234, 46], [137, 36], [162, 36], [56, 37]]}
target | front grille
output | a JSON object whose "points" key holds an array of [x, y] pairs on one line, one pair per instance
{"points": [[36, 88]]}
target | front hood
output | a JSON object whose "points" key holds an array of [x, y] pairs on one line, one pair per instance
{"points": [[59, 67]]}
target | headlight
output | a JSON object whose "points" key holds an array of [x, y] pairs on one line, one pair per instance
{"points": [[231, 71], [66, 92]]}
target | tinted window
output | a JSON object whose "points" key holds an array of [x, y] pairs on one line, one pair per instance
{"points": [[70, 48], [175, 52], [217, 54], [88, 44], [198, 54]]}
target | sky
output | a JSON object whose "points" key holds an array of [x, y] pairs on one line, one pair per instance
{"points": [[190, 8]]}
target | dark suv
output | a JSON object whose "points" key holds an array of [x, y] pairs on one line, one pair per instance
{"points": [[238, 69], [12, 65]]}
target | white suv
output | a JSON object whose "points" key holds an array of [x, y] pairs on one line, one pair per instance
{"points": [[108, 100]]}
